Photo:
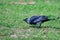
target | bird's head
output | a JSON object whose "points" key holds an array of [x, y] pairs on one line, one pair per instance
{"points": [[25, 19]]}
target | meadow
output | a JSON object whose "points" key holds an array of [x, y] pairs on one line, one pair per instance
{"points": [[12, 26]]}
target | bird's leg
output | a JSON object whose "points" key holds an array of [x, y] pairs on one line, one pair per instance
{"points": [[39, 24]]}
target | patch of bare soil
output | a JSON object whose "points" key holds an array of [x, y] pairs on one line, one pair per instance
{"points": [[22, 2], [20, 33]]}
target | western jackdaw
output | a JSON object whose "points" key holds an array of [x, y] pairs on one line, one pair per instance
{"points": [[36, 20]]}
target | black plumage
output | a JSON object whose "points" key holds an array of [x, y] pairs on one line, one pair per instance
{"points": [[36, 20]]}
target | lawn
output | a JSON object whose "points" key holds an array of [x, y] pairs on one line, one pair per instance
{"points": [[12, 26]]}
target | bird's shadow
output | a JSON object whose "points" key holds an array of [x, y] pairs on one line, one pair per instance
{"points": [[34, 27], [44, 27]]}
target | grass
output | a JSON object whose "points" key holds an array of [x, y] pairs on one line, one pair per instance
{"points": [[12, 26]]}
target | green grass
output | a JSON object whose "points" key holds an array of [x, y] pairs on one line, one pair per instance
{"points": [[12, 15]]}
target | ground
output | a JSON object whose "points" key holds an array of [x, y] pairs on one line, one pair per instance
{"points": [[12, 13]]}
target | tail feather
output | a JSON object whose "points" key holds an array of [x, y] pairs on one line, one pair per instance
{"points": [[51, 19]]}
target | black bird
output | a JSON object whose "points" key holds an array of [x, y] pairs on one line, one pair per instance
{"points": [[36, 20]]}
